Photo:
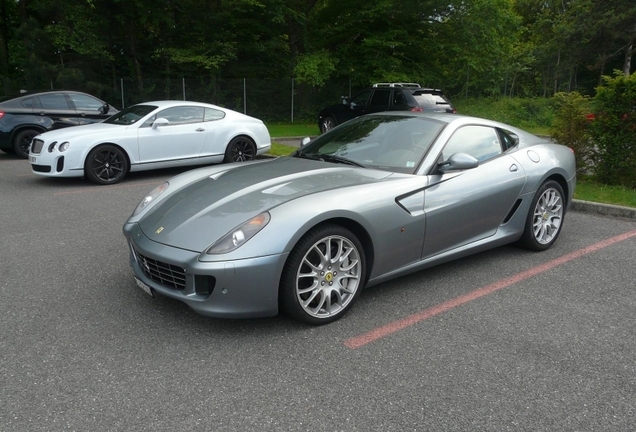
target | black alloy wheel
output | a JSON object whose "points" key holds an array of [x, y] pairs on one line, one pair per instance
{"points": [[22, 142], [106, 164], [240, 149]]}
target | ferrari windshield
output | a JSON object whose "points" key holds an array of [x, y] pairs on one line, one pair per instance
{"points": [[131, 114], [389, 142]]}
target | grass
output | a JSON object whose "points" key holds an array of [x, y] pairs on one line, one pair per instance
{"points": [[596, 192], [280, 130], [280, 150]]}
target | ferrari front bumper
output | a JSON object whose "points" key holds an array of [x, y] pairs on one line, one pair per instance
{"points": [[226, 289]]}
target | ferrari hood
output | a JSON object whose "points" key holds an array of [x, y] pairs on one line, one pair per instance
{"points": [[202, 212]]}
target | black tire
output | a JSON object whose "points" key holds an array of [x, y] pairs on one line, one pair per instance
{"points": [[324, 291], [545, 217], [327, 123], [106, 164], [22, 142], [240, 149]]}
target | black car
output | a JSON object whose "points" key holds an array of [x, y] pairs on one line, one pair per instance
{"points": [[385, 97], [29, 114]]}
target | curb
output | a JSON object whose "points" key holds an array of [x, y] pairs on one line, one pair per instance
{"points": [[603, 209]]}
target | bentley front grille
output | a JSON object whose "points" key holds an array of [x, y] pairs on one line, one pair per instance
{"points": [[36, 146]]}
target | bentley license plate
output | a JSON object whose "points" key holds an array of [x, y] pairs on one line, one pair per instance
{"points": [[145, 288]]}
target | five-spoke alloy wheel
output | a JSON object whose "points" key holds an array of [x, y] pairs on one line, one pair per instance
{"points": [[324, 274], [106, 164], [545, 217]]}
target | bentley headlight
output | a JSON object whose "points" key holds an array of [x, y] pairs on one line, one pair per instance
{"points": [[238, 236], [150, 198], [64, 146]]}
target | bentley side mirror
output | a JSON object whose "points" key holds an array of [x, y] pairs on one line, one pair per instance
{"points": [[160, 122]]}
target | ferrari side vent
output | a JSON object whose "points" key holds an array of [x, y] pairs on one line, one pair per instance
{"points": [[512, 211]]}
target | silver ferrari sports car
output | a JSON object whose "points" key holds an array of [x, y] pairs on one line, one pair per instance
{"points": [[377, 197]]}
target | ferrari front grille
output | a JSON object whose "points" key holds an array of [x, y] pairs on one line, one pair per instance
{"points": [[168, 275]]}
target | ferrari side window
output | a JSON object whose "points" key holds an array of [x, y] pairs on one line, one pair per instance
{"points": [[481, 142]]}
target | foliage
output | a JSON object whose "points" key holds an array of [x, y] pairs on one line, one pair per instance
{"points": [[533, 114], [614, 130], [571, 128]]}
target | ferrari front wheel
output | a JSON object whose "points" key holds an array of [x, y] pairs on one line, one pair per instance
{"points": [[324, 274], [545, 218]]}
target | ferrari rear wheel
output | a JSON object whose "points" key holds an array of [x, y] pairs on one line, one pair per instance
{"points": [[324, 274], [240, 149], [545, 218], [106, 164]]}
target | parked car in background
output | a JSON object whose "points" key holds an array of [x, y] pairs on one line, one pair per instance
{"points": [[147, 136], [385, 97], [29, 114], [379, 197]]}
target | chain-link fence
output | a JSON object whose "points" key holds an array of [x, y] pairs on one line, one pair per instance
{"points": [[272, 100]]}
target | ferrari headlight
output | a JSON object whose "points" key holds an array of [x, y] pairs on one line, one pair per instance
{"points": [[64, 146], [238, 236], [150, 198]]}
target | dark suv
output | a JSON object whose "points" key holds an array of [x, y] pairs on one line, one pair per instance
{"points": [[29, 114], [385, 97]]}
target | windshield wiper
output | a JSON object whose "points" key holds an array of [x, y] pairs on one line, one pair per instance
{"points": [[338, 159]]}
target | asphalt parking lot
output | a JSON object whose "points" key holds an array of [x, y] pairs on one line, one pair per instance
{"points": [[503, 340]]}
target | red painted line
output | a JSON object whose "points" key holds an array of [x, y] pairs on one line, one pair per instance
{"points": [[102, 188], [395, 326]]}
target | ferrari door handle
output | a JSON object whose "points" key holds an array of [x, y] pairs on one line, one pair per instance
{"points": [[200, 130]]}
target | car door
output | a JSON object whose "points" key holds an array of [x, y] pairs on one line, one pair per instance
{"points": [[180, 140], [466, 206], [88, 108], [56, 107], [380, 100], [358, 105]]}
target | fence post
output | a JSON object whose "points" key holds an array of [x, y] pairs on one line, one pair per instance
{"points": [[244, 98], [183, 87], [292, 101], [122, 93]]}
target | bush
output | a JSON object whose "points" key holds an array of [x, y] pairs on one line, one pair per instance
{"points": [[571, 127], [614, 130]]}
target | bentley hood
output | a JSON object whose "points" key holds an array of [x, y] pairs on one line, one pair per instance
{"points": [[197, 215], [72, 133]]}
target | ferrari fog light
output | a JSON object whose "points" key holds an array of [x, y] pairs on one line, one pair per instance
{"points": [[238, 236], [64, 146], [150, 198]]}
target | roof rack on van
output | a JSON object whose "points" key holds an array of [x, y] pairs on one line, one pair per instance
{"points": [[397, 84]]}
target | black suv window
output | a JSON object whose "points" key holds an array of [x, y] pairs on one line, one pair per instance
{"points": [[85, 102], [381, 97], [361, 98], [54, 101], [398, 98]]}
